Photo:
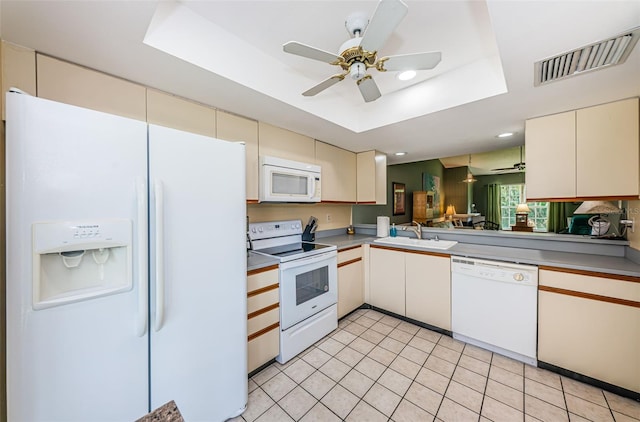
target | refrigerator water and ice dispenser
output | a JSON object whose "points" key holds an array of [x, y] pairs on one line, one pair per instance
{"points": [[74, 261]]}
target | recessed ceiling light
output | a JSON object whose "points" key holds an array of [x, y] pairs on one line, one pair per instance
{"points": [[400, 153], [406, 75], [505, 135]]}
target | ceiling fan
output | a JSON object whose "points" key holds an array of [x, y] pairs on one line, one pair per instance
{"points": [[360, 53], [517, 167]]}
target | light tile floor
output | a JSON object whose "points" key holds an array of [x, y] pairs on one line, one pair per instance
{"points": [[378, 368]]}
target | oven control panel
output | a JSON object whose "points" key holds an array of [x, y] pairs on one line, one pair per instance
{"points": [[272, 229]]}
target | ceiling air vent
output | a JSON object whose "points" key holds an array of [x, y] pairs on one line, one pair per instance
{"points": [[599, 55]]}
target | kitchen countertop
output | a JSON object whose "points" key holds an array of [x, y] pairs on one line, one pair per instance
{"points": [[256, 261], [571, 260]]}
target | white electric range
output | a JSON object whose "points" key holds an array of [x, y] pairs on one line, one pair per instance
{"points": [[308, 283]]}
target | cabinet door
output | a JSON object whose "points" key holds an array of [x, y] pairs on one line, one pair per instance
{"points": [[550, 156], [18, 70], [350, 281], [591, 326], [608, 150], [283, 143], [338, 173], [79, 86], [178, 113], [428, 289], [386, 280], [235, 128], [371, 178]]}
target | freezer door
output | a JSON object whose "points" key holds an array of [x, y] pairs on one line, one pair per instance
{"points": [[198, 274], [80, 359]]}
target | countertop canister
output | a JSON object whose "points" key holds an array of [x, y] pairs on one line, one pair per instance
{"points": [[383, 226]]}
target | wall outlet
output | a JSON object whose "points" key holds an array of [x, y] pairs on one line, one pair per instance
{"points": [[328, 218]]}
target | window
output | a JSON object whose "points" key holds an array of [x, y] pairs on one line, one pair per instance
{"points": [[510, 197]]}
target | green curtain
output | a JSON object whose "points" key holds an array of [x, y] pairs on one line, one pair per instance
{"points": [[558, 213], [493, 203]]}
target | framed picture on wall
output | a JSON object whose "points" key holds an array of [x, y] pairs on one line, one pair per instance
{"points": [[399, 198]]}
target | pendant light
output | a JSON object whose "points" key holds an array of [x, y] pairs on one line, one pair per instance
{"points": [[469, 178]]}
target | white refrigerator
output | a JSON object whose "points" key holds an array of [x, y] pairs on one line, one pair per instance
{"points": [[126, 268]]}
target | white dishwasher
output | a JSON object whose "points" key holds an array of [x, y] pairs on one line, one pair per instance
{"points": [[494, 305]]}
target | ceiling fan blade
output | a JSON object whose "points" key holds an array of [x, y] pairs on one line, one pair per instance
{"points": [[368, 89], [416, 61], [504, 169], [323, 85], [387, 16], [299, 49]]}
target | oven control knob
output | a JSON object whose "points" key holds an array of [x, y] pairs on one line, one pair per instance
{"points": [[260, 229], [253, 230]]}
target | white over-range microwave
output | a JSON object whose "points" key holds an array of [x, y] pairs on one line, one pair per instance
{"points": [[288, 181]]}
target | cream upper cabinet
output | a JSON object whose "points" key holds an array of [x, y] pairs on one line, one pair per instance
{"points": [[551, 150], [338, 173], [608, 149], [593, 152], [278, 142], [371, 177], [386, 280], [350, 280], [235, 128], [428, 289], [72, 84], [178, 113], [18, 70], [590, 324]]}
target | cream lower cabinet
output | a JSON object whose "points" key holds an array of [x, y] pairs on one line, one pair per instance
{"points": [[411, 283], [590, 324], [428, 289], [350, 280], [386, 279], [263, 319]]}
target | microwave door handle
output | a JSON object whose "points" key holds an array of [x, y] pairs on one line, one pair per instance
{"points": [[312, 191]]}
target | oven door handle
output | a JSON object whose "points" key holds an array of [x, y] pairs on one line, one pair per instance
{"points": [[324, 257]]}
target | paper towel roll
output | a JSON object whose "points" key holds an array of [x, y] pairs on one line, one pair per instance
{"points": [[383, 226]]}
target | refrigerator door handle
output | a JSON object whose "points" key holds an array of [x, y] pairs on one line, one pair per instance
{"points": [[159, 204], [143, 279]]}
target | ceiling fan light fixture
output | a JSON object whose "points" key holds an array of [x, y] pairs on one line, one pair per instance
{"points": [[406, 75], [357, 71]]}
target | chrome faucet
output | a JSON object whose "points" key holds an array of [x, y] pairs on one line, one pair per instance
{"points": [[416, 230]]}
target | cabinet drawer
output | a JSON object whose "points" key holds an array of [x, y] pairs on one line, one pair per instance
{"points": [[257, 302], [349, 254], [606, 285], [262, 321], [261, 279], [263, 348]]}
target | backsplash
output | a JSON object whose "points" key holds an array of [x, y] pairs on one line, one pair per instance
{"points": [[339, 214]]}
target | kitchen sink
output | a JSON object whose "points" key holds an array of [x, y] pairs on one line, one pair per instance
{"points": [[417, 243]]}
